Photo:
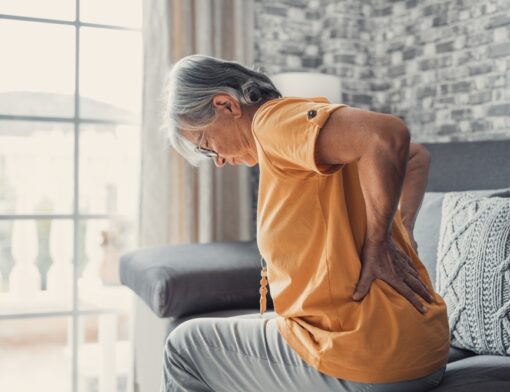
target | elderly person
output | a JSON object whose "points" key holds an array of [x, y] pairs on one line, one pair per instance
{"points": [[331, 177]]}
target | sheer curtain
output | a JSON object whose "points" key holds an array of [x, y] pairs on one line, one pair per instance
{"points": [[181, 203]]}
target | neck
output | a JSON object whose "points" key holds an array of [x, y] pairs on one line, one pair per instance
{"points": [[248, 137]]}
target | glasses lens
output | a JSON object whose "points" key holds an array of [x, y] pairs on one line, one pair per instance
{"points": [[206, 152]]}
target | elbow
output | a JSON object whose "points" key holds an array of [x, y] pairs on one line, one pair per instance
{"points": [[425, 156], [405, 137], [395, 135], [395, 139], [402, 132], [402, 136], [403, 143], [420, 154]]}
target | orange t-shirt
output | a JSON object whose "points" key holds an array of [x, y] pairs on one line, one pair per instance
{"points": [[311, 222]]}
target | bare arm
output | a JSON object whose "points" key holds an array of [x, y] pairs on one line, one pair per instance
{"points": [[380, 144], [382, 173], [415, 183]]}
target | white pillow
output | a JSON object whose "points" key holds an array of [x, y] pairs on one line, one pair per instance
{"points": [[473, 271], [428, 221]]}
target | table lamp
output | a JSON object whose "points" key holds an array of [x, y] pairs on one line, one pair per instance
{"points": [[308, 84]]}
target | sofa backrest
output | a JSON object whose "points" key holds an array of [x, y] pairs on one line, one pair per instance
{"points": [[482, 167], [460, 166]]}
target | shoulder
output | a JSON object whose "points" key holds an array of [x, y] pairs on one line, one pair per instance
{"points": [[292, 111], [287, 130]]}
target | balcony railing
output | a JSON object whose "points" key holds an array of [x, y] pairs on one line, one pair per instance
{"points": [[24, 297]]}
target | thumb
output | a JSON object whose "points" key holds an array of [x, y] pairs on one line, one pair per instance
{"points": [[361, 289]]}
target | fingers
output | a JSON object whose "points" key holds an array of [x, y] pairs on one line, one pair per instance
{"points": [[393, 265], [411, 269], [414, 279], [419, 287], [363, 286], [407, 260], [411, 264], [408, 266], [404, 290]]}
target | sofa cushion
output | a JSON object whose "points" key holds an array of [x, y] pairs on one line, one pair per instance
{"points": [[428, 220], [456, 354], [178, 280], [473, 271], [477, 373]]}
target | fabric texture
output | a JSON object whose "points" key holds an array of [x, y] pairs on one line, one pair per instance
{"points": [[247, 353], [177, 280], [428, 222], [473, 272], [311, 223]]}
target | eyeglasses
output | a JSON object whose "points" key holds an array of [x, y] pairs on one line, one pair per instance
{"points": [[208, 153]]}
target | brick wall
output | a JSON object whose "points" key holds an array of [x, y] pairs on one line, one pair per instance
{"points": [[442, 66]]}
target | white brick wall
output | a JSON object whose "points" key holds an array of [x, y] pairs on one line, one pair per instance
{"points": [[443, 67]]}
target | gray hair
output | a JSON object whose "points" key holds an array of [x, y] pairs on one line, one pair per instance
{"points": [[190, 86]]}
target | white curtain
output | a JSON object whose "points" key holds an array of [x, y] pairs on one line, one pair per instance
{"points": [[181, 203]]}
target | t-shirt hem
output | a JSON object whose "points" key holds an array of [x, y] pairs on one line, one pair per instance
{"points": [[333, 369]]}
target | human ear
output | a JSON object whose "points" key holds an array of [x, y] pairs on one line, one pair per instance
{"points": [[226, 102]]}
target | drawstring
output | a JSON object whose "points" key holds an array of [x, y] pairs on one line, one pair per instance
{"points": [[263, 287]]}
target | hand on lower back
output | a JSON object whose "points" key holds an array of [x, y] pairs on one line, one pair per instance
{"points": [[388, 262]]}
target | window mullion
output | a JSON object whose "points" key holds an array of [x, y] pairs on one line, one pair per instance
{"points": [[76, 221]]}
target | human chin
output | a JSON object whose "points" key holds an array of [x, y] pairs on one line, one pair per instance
{"points": [[250, 162]]}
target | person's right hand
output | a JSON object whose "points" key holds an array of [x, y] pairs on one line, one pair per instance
{"points": [[388, 262]]}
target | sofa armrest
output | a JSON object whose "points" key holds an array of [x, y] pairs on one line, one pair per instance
{"points": [[177, 280]]}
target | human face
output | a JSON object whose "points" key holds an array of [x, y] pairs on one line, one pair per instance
{"points": [[228, 138]]}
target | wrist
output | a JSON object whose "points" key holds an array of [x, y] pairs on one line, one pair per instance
{"points": [[408, 223], [377, 239]]}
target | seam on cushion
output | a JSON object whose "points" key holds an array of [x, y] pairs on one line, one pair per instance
{"points": [[241, 353]]}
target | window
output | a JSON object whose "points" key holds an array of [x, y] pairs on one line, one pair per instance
{"points": [[70, 101]]}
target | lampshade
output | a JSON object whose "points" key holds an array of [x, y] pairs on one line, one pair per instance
{"points": [[308, 84]]}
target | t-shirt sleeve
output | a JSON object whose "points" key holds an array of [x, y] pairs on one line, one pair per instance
{"points": [[287, 131]]}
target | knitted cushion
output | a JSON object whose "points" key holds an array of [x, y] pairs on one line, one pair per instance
{"points": [[428, 222], [473, 271]]}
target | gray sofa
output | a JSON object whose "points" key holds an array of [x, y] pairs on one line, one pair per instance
{"points": [[221, 279]]}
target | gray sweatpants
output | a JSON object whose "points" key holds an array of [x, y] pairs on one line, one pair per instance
{"points": [[247, 353]]}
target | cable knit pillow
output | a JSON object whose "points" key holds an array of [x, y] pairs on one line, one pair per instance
{"points": [[473, 271]]}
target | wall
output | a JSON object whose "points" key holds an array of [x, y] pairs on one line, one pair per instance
{"points": [[442, 66]]}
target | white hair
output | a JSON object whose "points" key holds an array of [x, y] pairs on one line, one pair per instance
{"points": [[190, 86]]}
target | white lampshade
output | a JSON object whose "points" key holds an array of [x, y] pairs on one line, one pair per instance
{"points": [[308, 84]]}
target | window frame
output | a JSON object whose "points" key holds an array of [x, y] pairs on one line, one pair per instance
{"points": [[75, 216]]}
